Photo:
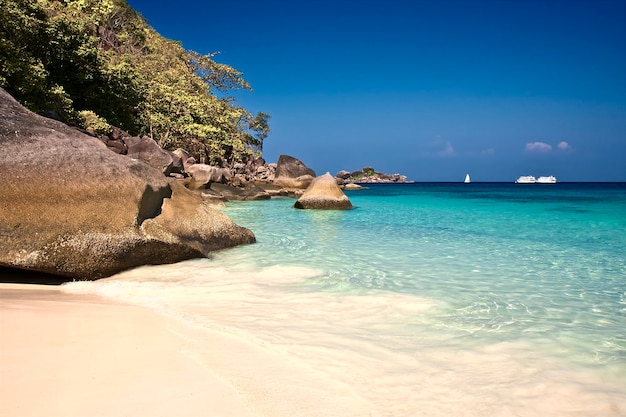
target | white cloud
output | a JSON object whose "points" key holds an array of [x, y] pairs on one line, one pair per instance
{"points": [[439, 149], [538, 147], [564, 146], [488, 152], [447, 151]]}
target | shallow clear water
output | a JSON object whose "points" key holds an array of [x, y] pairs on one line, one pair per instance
{"points": [[426, 299]]}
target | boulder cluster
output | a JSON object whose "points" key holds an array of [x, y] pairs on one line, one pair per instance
{"points": [[196, 176], [71, 207], [254, 180], [85, 206]]}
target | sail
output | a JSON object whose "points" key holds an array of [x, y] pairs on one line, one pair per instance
{"points": [[467, 179]]}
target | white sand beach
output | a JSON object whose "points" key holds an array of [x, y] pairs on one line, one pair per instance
{"points": [[73, 354], [81, 355]]}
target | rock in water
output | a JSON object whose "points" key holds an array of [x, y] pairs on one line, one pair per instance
{"points": [[186, 220], [71, 207], [324, 194]]}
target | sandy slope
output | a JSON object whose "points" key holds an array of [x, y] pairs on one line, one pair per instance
{"points": [[80, 355]]}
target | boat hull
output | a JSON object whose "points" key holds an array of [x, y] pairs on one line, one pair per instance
{"points": [[546, 180]]}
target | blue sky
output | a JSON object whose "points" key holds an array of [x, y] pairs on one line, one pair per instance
{"points": [[431, 89]]}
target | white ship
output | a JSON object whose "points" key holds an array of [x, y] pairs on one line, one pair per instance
{"points": [[467, 179], [547, 180], [526, 179]]}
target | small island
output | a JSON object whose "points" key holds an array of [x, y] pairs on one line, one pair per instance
{"points": [[369, 175]]}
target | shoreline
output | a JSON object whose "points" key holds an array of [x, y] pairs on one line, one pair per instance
{"points": [[67, 354], [83, 355]]}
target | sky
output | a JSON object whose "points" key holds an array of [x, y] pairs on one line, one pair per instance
{"points": [[431, 89]]}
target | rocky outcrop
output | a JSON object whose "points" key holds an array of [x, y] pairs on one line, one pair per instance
{"points": [[186, 220], [292, 173], [300, 182], [147, 150], [255, 172], [291, 167], [323, 194], [144, 149], [71, 207], [203, 175], [114, 141], [368, 175], [182, 160]]}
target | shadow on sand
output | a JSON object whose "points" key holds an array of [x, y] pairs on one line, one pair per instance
{"points": [[21, 276]]}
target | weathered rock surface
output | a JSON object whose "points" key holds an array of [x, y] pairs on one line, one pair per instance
{"points": [[147, 150], [114, 141], [323, 194], [292, 173], [185, 159], [255, 172], [301, 182], [203, 175], [343, 174], [291, 167], [186, 220], [71, 207], [236, 193]]}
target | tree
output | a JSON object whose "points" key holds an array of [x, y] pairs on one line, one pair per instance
{"points": [[24, 69], [98, 61], [260, 130]]}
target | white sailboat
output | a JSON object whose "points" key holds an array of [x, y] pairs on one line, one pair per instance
{"points": [[467, 179]]}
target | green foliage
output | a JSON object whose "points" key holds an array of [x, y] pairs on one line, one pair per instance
{"points": [[217, 76], [97, 63], [260, 128], [23, 68], [91, 121], [363, 174]]}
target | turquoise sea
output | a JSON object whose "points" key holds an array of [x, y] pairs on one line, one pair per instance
{"points": [[426, 299]]}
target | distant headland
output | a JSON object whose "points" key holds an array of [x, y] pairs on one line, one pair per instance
{"points": [[369, 175]]}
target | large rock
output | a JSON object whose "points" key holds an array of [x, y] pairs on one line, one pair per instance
{"points": [[300, 182], [202, 174], [186, 159], [352, 186], [147, 150], [186, 220], [292, 173], [343, 174], [291, 167], [324, 194], [178, 166], [71, 207]]}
